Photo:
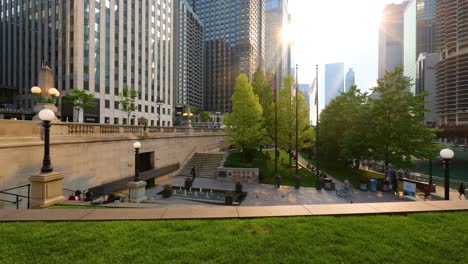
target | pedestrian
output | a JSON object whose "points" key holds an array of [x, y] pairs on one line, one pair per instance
{"points": [[395, 184], [427, 191], [192, 172], [461, 190], [346, 186]]}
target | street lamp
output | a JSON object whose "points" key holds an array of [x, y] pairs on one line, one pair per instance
{"points": [[188, 114], [136, 146], [158, 104], [46, 115], [446, 155]]}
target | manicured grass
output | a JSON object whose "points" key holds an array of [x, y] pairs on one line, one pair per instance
{"points": [[267, 168], [340, 172], [413, 238]]}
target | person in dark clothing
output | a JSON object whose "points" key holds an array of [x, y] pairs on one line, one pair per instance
{"points": [[395, 184], [461, 190], [193, 172]]}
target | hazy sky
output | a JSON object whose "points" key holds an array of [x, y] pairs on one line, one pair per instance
{"points": [[328, 31]]}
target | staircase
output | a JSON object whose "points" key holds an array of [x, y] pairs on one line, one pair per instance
{"points": [[206, 164]]}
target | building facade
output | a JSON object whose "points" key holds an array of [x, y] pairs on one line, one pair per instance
{"points": [[426, 82], [391, 38], [334, 81], [452, 69], [350, 79], [234, 44], [101, 46], [277, 59], [419, 34], [188, 56]]}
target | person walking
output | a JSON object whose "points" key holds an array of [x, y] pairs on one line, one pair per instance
{"points": [[346, 186], [461, 190], [395, 184], [193, 172]]}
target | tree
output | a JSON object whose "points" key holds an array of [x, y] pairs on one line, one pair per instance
{"points": [[263, 90], [204, 116], [127, 99], [245, 124], [344, 127], [80, 100], [398, 134], [287, 119]]}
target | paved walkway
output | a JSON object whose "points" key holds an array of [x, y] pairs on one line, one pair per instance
{"points": [[205, 212]]}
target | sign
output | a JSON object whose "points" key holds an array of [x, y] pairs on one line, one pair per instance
{"points": [[409, 189]]}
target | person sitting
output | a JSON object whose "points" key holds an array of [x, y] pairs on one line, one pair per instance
{"points": [[71, 197], [77, 195], [88, 196]]}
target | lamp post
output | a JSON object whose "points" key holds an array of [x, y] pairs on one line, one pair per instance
{"points": [[188, 114], [158, 104], [446, 155], [46, 115], [136, 146]]}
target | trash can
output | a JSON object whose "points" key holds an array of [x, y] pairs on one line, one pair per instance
{"points": [[328, 183], [333, 185], [363, 185], [373, 185], [385, 186]]}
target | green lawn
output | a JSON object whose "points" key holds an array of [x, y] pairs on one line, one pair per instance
{"points": [[413, 238], [340, 172], [267, 168]]}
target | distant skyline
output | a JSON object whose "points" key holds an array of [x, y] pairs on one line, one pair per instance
{"points": [[337, 31]]}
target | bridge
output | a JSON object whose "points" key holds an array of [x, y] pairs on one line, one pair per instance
{"points": [[94, 154]]}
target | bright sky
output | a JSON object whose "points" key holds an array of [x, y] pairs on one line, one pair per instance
{"points": [[328, 31]]}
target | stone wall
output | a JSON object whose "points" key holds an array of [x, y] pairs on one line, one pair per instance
{"points": [[90, 154]]}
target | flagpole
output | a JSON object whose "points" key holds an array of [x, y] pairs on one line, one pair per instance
{"points": [[297, 129], [317, 123], [277, 177]]}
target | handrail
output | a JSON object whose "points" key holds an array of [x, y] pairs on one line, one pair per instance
{"points": [[182, 164], [18, 195]]}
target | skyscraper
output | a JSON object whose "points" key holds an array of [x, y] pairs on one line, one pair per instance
{"points": [[334, 81], [419, 34], [276, 51], [391, 38], [350, 79], [99, 46], [426, 81], [234, 44], [188, 56], [451, 71]]}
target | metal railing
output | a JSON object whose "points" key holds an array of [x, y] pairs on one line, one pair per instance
{"points": [[17, 200]]}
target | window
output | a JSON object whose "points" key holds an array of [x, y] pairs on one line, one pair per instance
{"points": [[107, 104]]}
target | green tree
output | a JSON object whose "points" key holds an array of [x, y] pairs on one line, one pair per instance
{"points": [[127, 103], [395, 116], [344, 127], [287, 119], [263, 90], [204, 116], [245, 125], [80, 100]]}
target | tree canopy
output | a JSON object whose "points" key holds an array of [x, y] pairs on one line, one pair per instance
{"points": [[127, 103], [263, 90], [245, 124], [80, 100]]}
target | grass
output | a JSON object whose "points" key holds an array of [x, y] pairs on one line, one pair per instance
{"points": [[413, 238], [340, 172], [267, 168]]}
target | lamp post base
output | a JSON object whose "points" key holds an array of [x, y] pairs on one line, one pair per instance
{"points": [[46, 189], [137, 191]]}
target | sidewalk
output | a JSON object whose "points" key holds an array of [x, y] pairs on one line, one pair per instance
{"points": [[239, 212]]}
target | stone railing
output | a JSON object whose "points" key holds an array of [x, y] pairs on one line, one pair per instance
{"points": [[22, 129], [244, 175]]}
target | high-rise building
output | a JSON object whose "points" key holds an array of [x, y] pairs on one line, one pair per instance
{"points": [[350, 79], [276, 50], [334, 81], [188, 56], [391, 38], [419, 34], [234, 44], [426, 81], [101, 46], [452, 70]]}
